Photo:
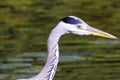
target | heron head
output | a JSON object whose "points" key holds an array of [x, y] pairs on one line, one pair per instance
{"points": [[75, 25]]}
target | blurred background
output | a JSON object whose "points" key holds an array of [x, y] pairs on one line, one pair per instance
{"points": [[25, 26]]}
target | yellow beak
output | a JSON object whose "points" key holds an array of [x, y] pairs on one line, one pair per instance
{"points": [[98, 32]]}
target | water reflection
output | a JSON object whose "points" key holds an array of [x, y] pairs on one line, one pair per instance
{"points": [[108, 42], [91, 60], [23, 63]]}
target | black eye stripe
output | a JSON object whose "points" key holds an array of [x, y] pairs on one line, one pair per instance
{"points": [[71, 20]]}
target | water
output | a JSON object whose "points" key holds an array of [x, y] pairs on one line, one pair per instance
{"points": [[84, 65], [25, 26], [25, 64]]}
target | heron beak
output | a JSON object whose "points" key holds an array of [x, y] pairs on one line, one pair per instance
{"points": [[98, 32]]}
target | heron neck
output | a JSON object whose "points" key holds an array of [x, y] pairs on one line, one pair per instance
{"points": [[53, 41], [53, 56]]}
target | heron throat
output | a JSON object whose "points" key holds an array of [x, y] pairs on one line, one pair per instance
{"points": [[50, 67]]}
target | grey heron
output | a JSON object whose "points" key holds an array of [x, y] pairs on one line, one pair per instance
{"points": [[69, 24]]}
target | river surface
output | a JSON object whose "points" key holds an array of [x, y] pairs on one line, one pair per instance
{"points": [[89, 64]]}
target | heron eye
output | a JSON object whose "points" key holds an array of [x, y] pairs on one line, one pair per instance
{"points": [[78, 26]]}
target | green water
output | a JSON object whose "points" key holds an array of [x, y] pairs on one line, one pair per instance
{"points": [[91, 63], [26, 24]]}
